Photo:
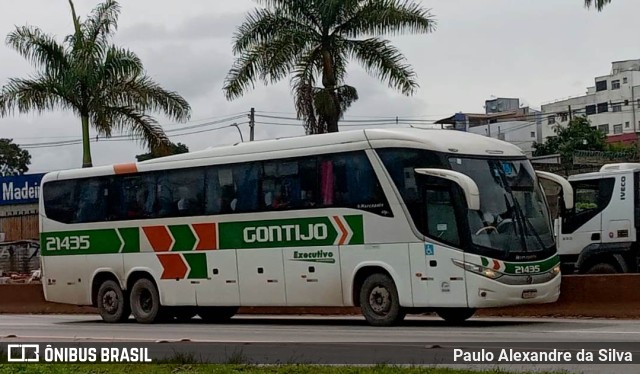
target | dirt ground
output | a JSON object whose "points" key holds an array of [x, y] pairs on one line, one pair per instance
{"points": [[613, 296]]}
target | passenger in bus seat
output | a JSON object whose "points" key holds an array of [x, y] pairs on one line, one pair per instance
{"points": [[184, 204], [228, 199]]}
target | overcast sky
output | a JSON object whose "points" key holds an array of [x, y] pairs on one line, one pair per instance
{"points": [[537, 51]]}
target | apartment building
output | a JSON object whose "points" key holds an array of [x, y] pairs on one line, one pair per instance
{"points": [[612, 104]]}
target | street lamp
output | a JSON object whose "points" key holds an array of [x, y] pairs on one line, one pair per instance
{"points": [[238, 127]]}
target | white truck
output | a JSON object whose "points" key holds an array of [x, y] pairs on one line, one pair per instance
{"points": [[597, 229]]}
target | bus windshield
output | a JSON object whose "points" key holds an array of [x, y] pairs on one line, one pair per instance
{"points": [[513, 215]]}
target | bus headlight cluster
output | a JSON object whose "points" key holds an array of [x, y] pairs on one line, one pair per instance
{"points": [[489, 273], [556, 270]]}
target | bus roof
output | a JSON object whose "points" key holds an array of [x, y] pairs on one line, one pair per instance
{"points": [[447, 141]]}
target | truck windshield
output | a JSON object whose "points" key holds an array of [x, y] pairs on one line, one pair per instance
{"points": [[513, 216]]}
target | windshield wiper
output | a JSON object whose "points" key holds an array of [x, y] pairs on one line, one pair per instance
{"points": [[528, 223], [515, 217], [522, 218]]}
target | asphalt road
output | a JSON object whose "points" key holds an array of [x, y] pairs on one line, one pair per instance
{"points": [[339, 340]]}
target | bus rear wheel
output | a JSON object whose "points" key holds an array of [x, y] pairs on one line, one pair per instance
{"points": [[455, 315], [111, 302], [217, 314], [379, 301], [145, 301]]}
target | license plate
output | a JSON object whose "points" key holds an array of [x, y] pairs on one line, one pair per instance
{"points": [[529, 294]]}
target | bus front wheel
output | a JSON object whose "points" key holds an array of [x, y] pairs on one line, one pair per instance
{"points": [[455, 315], [111, 302], [145, 301], [379, 301]]}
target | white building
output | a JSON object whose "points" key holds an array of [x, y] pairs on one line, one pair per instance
{"points": [[519, 126], [612, 105]]}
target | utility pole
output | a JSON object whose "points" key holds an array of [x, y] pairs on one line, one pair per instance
{"points": [[570, 114], [252, 123]]}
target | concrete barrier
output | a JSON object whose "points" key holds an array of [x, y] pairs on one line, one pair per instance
{"points": [[591, 296]]}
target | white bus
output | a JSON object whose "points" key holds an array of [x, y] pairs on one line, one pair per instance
{"points": [[392, 221]]}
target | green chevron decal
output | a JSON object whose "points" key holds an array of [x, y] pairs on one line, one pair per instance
{"points": [[184, 237], [86, 242], [197, 265]]}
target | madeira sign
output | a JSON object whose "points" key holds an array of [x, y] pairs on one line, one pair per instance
{"points": [[20, 189]]}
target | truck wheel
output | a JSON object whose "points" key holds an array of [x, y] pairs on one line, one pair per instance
{"points": [[112, 305], [602, 268], [455, 316], [217, 314], [379, 301], [145, 301]]}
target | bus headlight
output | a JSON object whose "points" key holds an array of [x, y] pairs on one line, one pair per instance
{"points": [[556, 270], [489, 273]]}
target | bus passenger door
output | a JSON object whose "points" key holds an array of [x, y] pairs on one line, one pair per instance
{"points": [[313, 276], [440, 282]]}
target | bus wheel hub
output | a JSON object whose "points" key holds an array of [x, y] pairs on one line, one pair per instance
{"points": [[379, 300], [110, 301]]}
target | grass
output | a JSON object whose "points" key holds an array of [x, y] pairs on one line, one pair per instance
{"points": [[230, 369], [237, 363]]}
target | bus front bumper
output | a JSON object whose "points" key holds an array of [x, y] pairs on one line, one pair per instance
{"points": [[483, 292]]}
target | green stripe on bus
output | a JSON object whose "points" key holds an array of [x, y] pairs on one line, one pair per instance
{"points": [[543, 266], [297, 232], [531, 267], [131, 237], [357, 226], [84, 242]]}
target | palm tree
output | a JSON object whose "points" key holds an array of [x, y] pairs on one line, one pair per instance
{"points": [[599, 4], [103, 84], [314, 40]]}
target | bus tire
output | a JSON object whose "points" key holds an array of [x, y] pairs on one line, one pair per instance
{"points": [[217, 314], [111, 302], [455, 316], [145, 301], [379, 301]]}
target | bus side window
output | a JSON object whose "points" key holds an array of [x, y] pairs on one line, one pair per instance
{"points": [[92, 200], [246, 178], [348, 180], [59, 200], [212, 196], [181, 192], [308, 182]]}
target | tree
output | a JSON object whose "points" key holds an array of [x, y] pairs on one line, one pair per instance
{"points": [[104, 85], [598, 4], [173, 149], [313, 41], [13, 160], [578, 135]]}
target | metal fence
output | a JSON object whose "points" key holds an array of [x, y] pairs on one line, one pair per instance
{"points": [[20, 257]]}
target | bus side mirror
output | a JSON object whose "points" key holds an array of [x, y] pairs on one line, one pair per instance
{"points": [[567, 190], [469, 187]]}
